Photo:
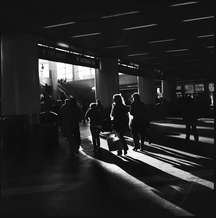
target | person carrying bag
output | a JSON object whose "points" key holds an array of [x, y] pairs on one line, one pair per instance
{"points": [[120, 121]]}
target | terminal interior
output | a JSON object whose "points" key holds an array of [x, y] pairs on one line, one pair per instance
{"points": [[162, 50]]}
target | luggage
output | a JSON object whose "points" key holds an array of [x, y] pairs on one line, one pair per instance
{"points": [[113, 142]]}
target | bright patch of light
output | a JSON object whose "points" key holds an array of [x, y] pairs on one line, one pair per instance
{"points": [[212, 46], [64, 45], [140, 188], [177, 188], [181, 152], [206, 36], [169, 169], [207, 120], [180, 126], [207, 140], [175, 160]]}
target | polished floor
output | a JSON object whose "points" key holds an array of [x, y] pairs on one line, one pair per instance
{"points": [[171, 177]]}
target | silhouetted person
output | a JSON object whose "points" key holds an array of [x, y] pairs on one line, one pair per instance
{"points": [[100, 107], [84, 109], [49, 127], [190, 116], [120, 119], [104, 117], [71, 115], [95, 124], [139, 121]]}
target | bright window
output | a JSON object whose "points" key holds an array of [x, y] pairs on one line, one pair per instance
{"points": [[43, 67], [64, 71], [85, 72]]}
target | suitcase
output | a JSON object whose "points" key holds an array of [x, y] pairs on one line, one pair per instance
{"points": [[113, 142]]}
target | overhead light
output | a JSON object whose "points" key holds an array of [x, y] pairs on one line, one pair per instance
{"points": [[205, 36], [117, 46], [59, 49], [177, 50], [198, 18], [183, 4], [211, 46], [120, 14], [140, 27], [160, 41], [182, 54], [59, 25], [137, 54], [85, 35], [64, 45]]}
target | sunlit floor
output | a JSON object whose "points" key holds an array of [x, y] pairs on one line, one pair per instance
{"points": [[169, 177]]}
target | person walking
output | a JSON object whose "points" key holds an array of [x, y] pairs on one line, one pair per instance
{"points": [[95, 125], [70, 116], [139, 122], [120, 119], [190, 117]]}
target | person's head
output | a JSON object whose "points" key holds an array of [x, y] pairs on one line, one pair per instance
{"points": [[98, 101], [72, 101], [118, 99], [47, 105], [93, 105], [66, 101], [136, 97]]}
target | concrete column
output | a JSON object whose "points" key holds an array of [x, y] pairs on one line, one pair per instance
{"points": [[147, 90], [169, 90], [53, 78], [107, 81], [20, 89]]}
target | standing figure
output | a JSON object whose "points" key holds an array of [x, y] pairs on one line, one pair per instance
{"points": [[120, 119], [139, 121], [190, 116], [100, 108], [95, 125], [71, 115]]}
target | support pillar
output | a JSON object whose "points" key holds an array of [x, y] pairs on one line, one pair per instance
{"points": [[169, 90], [146, 90], [107, 81], [20, 89], [53, 78]]}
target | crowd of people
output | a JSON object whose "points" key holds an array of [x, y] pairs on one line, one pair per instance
{"points": [[71, 114]]}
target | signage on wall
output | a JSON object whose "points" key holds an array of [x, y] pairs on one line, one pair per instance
{"points": [[66, 57]]}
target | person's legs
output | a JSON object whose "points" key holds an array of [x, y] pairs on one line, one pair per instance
{"points": [[142, 131], [195, 132], [135, 138], [98, 138], [123, 141], [94, 141], [187, 129], [76, 138]]}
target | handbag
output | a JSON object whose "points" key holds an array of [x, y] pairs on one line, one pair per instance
{"points": [[113, 142]]}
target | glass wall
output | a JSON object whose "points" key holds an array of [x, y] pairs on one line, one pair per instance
{"points": [[65, 72]]}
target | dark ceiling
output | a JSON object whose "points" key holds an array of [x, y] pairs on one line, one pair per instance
{"points": [[150, 33]]}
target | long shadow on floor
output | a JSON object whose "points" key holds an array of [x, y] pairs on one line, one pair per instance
{"points": [[145, 172]]}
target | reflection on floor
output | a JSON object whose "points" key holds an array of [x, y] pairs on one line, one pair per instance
{"points": [[168, 177]]}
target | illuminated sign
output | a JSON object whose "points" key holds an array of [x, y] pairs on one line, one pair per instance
{"points": [[66, 57]]}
